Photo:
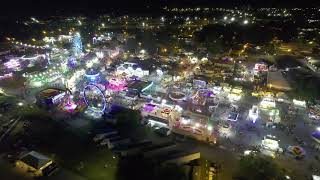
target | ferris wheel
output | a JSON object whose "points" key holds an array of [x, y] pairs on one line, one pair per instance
{"points": [[95, 99]]}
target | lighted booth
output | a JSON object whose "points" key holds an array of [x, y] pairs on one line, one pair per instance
{"points": [[299, 103], [270, 143], [235, 94], [267, 103], [197, 83]]}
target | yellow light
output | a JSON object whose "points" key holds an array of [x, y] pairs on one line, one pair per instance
{"points": [[289, 50], [44, 32], [33, 39]]}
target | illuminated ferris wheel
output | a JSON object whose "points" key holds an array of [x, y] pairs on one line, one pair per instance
{"points": [[95, 99]]}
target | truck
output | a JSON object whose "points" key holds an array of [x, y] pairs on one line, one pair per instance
{"points": [[100, 136]]}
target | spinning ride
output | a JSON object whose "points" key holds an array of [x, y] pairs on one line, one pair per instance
{"points": [[296, 151], [177, 96]]}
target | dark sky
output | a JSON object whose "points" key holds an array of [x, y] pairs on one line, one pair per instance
{"points": [[27, 7]]}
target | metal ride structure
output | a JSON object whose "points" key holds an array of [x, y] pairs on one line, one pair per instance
{"points": [[95, 111]]}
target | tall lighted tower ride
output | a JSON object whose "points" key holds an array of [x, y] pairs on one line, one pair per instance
{"points": [[77, 45]]}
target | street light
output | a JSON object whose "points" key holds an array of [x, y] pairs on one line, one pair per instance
{"points": [[20, 104]]}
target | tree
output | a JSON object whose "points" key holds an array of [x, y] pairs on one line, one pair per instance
{"points": [[137, 167], [128, 120], [256, 167], [170, 172], [316, 50]]}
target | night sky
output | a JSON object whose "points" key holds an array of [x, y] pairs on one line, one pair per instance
{"points": [[53, 7]]}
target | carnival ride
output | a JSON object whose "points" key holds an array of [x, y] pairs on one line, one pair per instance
{"points": [[116, 84], [177, 96], [201, 96], [149, 107], [296, 151], [95, 99], [69, 105], [92, 75]]}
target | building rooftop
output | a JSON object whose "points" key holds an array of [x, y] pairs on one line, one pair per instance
{"points": [[35, 159], [139, 85]]}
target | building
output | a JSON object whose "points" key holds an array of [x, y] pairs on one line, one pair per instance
{"points": [[35, 163], [181, 158]]}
